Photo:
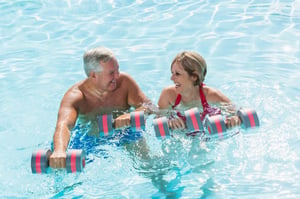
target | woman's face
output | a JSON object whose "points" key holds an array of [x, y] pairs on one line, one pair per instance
{"points": [[181, 78]]}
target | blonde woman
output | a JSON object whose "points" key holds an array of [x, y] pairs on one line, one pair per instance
{"points": [[188, 73]]}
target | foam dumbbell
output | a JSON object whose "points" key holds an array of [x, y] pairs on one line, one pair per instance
{"points": [[75, 161], [216, 124], [192, 120], [106, 123], [161, 127]]}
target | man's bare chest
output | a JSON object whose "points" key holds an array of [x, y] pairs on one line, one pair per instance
{"points": [[104, 105]]}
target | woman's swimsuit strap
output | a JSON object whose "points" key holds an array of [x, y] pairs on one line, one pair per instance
{"points": [[202, 97], [204, 103]]}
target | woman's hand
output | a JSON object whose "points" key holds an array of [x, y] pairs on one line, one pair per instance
{"points": [[176, 123], [232, 121]]}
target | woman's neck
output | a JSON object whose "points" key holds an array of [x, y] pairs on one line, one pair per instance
{"points": [[191, 95]]}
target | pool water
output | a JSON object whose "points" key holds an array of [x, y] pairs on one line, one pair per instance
{"points": [[253, 57]]}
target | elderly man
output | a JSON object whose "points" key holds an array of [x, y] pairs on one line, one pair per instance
{"points": [[104, 90]]}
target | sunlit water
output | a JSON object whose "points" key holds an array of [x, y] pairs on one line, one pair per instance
{"points": [[252, 52]]}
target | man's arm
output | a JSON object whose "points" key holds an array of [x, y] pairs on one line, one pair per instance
{"points": [[135, 98], [67, 116]]}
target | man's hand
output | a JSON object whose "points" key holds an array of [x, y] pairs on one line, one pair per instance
{"points": [[58, 160], [122, 121]]}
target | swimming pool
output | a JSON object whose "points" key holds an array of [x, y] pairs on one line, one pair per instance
{"points": [[252, 51]]}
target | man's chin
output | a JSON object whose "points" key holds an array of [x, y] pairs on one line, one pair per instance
{"points": [[112, 87]]}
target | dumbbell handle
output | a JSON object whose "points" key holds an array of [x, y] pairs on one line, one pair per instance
{"points": [[193, 123], [106, 122]]}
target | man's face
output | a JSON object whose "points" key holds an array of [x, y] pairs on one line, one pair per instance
{"points": [[107, 78]]}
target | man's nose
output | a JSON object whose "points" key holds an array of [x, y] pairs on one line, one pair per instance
{"points": [[117, 74]]}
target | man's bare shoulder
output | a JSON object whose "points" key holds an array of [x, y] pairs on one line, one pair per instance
{"points": [[127, 81], [126, 77], [74, 94]]}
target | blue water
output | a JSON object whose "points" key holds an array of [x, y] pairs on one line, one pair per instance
{"points": [[252, 52]]}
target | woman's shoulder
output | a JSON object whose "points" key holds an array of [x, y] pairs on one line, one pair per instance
{"points": [[169, 91], [214, 95], [167, 97], [208, 90], [170, 88]]}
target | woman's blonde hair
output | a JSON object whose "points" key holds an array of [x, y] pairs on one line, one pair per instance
{"points": [[193, 63]]}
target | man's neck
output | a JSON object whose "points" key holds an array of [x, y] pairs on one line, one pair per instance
{"points": [[90, 90]]}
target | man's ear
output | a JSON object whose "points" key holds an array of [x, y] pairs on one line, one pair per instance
{"points": [[92, 74]]}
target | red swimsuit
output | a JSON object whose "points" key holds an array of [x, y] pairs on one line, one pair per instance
{"points": [[207, 110]]}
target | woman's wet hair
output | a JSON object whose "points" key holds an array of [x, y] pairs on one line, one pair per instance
{"points": [[193, 63], [92, 58]]}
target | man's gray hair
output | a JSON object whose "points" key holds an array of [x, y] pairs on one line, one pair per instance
{"points": [[92, 58]]}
